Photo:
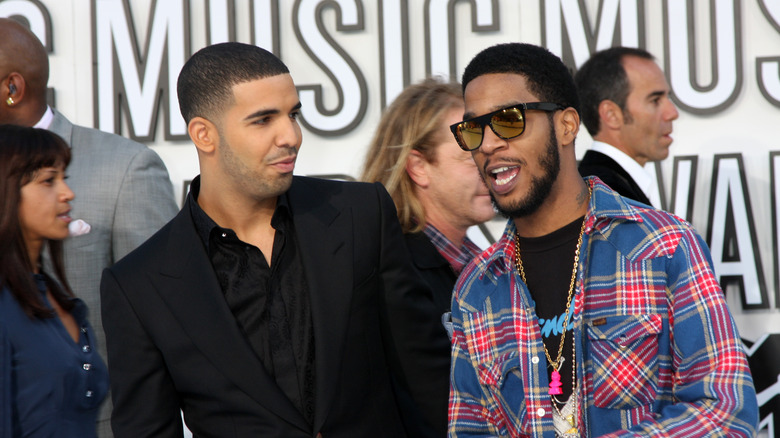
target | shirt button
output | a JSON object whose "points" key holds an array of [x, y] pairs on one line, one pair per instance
{"points": [[224, 234], [88, 394], [535, 360], [540, 412], [85, 349], [83, 330], [87, 366]]}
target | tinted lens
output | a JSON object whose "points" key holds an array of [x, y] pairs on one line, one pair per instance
{"points": [[470, 134], [508, 123]]}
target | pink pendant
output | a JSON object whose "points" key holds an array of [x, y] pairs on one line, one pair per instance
{"points": [[555, 385]]}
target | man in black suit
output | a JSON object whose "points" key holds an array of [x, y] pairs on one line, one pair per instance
{"points": [[263, 308], [625, 106]]}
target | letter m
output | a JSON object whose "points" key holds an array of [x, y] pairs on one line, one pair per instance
{"points": [[126, 79]]}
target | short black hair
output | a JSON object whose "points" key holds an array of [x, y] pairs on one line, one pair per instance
{"points": [[603, 77], [547, 76], [205, 83]]}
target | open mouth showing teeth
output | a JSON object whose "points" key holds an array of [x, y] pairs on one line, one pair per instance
{"points": [[504, 175]]}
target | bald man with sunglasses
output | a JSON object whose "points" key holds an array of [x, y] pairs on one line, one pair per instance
{"points": [[593, 315]]}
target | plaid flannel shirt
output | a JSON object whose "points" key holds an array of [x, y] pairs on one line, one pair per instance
{"points": [[457, 257], [657, 350]]}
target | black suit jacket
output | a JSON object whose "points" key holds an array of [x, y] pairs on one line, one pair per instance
{"points": [[435, 269], [174, 344], [612, 174], [438, 274]]}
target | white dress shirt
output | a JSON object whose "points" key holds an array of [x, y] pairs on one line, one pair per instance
{"points": [[643, 176]]}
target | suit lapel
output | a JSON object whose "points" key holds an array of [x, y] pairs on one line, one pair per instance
{"points": [[193, 295], [322, 230]]}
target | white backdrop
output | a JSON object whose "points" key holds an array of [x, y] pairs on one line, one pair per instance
{"points": [[114, 64]]}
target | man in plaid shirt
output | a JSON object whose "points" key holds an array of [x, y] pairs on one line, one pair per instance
{"points": [[593, 315]]}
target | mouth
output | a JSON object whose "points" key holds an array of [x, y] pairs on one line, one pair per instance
{"points": [[65, 216], [287, 165], [503, 179]]}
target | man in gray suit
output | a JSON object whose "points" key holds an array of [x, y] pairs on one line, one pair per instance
{"points": [[122, 187]]}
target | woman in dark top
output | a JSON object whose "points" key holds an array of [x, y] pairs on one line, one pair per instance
{"points": [[51, 378]]}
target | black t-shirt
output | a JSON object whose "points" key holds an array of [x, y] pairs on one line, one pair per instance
{"points": [[548, 262]]}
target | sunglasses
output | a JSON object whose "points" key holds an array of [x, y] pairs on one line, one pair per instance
{"points": [[506, 123]]}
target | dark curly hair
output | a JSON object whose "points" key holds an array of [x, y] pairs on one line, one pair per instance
{"points": [[546, 74]]}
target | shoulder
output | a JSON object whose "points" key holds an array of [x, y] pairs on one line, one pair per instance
{"points": [[106, 141], [650, 233], [152, 252], [488, 275], [333, 186], [595, 159], [340, 194], [91, 140]]}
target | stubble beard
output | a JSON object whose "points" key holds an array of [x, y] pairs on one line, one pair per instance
{"points": [[249, 181]]}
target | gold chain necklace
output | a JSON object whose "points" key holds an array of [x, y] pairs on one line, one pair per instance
{"points": [[555, 384]]}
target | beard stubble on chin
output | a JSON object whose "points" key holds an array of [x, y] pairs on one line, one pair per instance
{"points": [[249, 180], [540, 187]]}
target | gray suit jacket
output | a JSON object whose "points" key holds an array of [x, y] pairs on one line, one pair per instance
{"points": [[123, 191]]}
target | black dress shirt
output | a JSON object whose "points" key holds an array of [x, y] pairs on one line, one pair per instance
{"points": [[270, 303]]}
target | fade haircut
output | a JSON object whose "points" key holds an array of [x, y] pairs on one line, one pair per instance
{"points": [[547, 77], [603, 77], [205, 84], [412, 122]]}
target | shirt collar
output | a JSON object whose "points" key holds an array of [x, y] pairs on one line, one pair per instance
{"points": [[456, 257], [641, 176], [204, 225], [605, 207], [46, 120]]}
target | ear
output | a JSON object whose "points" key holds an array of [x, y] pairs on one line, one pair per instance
{"points": [[417, 168], [569, 126], [15, 87], [610, 115], [204, 134]]}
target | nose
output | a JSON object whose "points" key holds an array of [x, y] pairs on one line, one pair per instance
{"points": [[490, 141], [289, 134], [67, 193], [671, 111]]}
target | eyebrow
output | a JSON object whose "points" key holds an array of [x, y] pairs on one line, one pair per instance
{"points": [[470, 115], [268, 112], [659, 93], [44, 172]]}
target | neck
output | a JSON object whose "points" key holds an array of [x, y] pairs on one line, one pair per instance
{"points": [[28, 115], [567, 201], [453, 233], [248, 217], [34, 254]]}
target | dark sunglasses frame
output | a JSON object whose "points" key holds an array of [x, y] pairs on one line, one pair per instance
{"points": [[487, 119]]}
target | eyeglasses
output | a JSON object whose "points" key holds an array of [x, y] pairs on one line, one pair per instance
{"points": [[506, 123]]}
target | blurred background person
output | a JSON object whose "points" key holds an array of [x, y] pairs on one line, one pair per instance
{"points": [[438, 193], [125, 194], [52, 379], [626, 108]]}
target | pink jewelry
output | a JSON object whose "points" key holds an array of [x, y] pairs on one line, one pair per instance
{"points": [[555, 385]]}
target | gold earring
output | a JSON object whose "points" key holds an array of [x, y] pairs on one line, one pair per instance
{"points": [[10, 101]]}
